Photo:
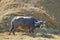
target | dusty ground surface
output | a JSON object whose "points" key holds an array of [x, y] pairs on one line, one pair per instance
{"points": [[25, 36]]}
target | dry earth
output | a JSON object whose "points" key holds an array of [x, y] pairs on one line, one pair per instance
{"points": [[24, 36]]}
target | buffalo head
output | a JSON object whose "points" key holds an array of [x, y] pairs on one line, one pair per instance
{"points": [[40, 24]]}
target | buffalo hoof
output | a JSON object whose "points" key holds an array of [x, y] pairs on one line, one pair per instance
{"points": [[9, 34]]}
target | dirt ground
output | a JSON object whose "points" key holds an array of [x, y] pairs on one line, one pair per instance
{"points": [[25, 36]]}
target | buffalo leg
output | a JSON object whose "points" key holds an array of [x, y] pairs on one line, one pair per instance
{"points": [[10, 33], [12, 30], [31, 29]]}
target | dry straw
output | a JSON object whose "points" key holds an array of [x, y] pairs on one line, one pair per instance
{"points": [[49, 20]]}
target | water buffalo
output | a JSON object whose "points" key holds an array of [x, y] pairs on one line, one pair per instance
{"points": [[25, 24]]}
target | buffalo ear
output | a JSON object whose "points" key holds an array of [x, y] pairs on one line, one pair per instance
{"points": [[36, 22]]}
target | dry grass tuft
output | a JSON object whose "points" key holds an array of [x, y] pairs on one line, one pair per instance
{"points": [[10, 9]]}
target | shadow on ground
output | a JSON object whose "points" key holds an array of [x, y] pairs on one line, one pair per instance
{"points": [[45, 33]]}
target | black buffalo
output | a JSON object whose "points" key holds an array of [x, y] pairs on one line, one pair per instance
{"points": [[25, 24]]}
